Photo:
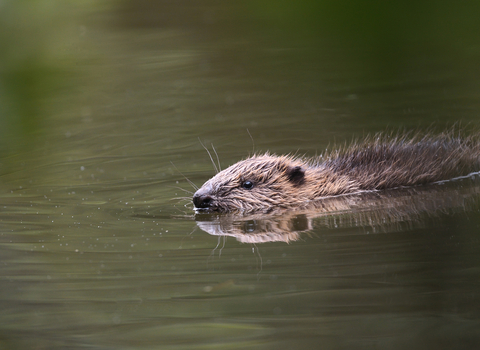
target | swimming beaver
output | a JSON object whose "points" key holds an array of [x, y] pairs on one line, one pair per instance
{"points": [[263, 182]]}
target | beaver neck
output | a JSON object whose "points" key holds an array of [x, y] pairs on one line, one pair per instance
{"points": [[329, 182]]}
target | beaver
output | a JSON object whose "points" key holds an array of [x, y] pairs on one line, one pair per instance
{"points": [[263, 182]]}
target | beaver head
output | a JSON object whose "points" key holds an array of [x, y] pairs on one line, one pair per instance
{"points": [[255, 184]]}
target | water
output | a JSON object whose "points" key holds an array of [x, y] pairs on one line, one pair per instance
{"points": [[97, 252]]}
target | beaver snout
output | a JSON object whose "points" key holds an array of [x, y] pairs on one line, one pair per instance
{"points": [[202, 199]]}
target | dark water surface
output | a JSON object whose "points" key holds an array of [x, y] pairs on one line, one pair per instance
{"points": [[105, 105]]}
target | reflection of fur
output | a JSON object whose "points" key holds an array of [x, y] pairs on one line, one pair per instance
{"points": [[258, 230], [263, 182], [381, 211]]}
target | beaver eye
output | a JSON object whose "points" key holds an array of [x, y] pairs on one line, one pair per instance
{"points": [[248, 185]]}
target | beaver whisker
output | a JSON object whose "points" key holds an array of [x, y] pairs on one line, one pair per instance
{"points": [[210, 155], [182, 189], [195, 187], [218, 160], [182, 198], [253, 142]]}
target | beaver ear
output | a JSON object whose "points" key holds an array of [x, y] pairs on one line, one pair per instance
{"points": [[296, 175]]}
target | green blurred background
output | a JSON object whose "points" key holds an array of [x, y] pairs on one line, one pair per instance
{"points": [[341, 45], [99, 98]]}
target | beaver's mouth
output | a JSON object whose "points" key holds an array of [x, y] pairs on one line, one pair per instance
{"points": [[213, 207], [209, 207], [206, 210]]}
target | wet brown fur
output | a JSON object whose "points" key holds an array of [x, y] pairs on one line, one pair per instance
{"points": [[379, 162]]}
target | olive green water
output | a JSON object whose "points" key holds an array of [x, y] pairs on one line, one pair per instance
{"points": [[104, 105]]}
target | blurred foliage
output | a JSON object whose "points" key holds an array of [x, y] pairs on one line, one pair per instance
{"points": [[376, 40], [379, 33], [359, 23], [374, 22], [31, 67]]}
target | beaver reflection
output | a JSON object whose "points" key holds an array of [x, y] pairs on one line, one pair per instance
{"points": [[384, 211]]}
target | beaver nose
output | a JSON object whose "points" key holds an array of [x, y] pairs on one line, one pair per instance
{"points": [[202, 200]]}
